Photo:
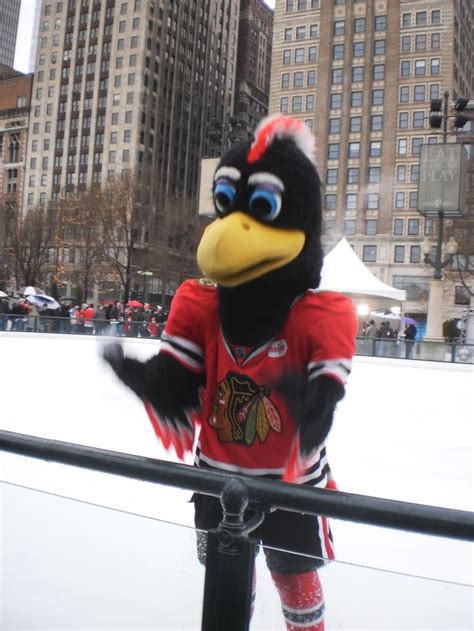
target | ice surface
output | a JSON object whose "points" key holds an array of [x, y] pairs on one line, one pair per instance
{"points": [[404, 431]]}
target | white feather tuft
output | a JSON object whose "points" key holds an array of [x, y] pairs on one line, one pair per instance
{"points": [[289, 127]]}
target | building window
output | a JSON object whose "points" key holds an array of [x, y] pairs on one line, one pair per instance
{"points": [[402, 147], [413, 199], [371, 226], [377, 97], [312, 53], [401, 172], [375, 148], [404, 95], [354, 150], [379, 47], [398, 227], [416, 146], [380, 22], [414, 227], [357, 74], [298, 79], [339, 27], [336, 101], [405, 69], [313, 31], [421, 18], [420, 41], [434, 65], [284, 104], [414, 172], [372, 201], [288, 34], [374, 175], [334, 125], [399, 254], [420, 67], [415, 254], [356, 99], [403, 120], [435, 41], [285, 80], [358, 49], [376, 122], [331, 177], [351, 201], [419, 93], [353, 175], [300, 32], [436, 17], [296, 103], [379, 72], [355, 124], [299, 55], [333, 151], [405, 45], [337, 76], [359, 25], [311, 78], [462, 296], [418, 120], [399, 200], [310, 102], [369, 253], [338, 51], [330, 201], [350, 226]]}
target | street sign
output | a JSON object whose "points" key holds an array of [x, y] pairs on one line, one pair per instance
{"points": [[442, 181], [206, 204]]}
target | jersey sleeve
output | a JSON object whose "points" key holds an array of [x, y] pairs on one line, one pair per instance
{"points": [[183, 337], [331, 337]]}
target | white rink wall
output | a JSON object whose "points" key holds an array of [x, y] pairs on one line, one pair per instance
{"points": [[403, 431]]}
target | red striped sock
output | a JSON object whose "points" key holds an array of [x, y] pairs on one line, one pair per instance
{"points": [[302, 600]]}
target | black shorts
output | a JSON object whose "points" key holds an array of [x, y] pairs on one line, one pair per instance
{"points": [[308, 536]]}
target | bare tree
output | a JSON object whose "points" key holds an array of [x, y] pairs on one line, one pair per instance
{"points": [[462, 268], [27, 245]]}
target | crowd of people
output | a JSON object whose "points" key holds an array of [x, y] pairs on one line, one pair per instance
{"points": [[86, 319], [387, 336]]}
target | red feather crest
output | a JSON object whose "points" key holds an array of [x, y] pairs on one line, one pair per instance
{"points": [[278, 126]]}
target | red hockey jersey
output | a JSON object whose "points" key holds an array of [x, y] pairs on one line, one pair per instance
{"points": [[246, 425]]}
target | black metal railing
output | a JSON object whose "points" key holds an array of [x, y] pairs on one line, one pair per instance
{"points": [[230, 551]]}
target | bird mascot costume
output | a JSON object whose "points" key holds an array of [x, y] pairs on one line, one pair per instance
{"points": [[254, 355]]}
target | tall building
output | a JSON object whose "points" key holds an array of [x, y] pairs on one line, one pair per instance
{"points": [[34, 35], [9, 14], [361, 74], [253, 64], [15, 96], [126, 86]]}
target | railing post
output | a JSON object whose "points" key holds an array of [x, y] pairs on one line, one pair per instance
{"points": [[229, 564]]}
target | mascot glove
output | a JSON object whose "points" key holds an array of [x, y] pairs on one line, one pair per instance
{"points": [[173, 432], [113, 355]]}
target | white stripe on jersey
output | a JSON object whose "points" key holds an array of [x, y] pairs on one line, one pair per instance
{"points": [[181, 356], [182, 341], [339, 368], [230, 467]]}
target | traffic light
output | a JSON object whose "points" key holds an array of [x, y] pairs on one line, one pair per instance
{"points": [[436, 117], [460, 120]]}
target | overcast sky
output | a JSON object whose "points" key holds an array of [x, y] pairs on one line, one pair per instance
{"points": [[25, 33]]}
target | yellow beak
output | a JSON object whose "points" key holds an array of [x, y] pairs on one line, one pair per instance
{"points": [[238, 248]]}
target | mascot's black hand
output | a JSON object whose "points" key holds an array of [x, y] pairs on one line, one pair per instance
{"points": [[113, 355]]}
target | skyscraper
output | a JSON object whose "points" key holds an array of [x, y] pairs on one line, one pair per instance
{"points": [[34, 35], [362, 74], [9, 14], [126, 86]]}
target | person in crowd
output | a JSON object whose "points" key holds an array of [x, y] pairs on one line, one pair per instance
{"points": [[371, 330], [114, 317], [46, 314], [64, 319], [152, 327], [86, 315], [32, 320], [385, 333], [100, 320], [74, 318], [4, 309], [410, 337]]}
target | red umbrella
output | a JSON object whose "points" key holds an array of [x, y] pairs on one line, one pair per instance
{"points": [[134, 303]]}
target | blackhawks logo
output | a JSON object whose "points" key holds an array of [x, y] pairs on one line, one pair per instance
{"points": [[242, 411]]}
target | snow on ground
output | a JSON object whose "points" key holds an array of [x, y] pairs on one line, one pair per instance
{"points": [[404, 431]]}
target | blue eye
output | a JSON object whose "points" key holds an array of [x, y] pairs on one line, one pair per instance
{"points": [[265, 204], [224, 195]]}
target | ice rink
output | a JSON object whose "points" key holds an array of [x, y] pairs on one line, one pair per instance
{"points": [[404, 431]]}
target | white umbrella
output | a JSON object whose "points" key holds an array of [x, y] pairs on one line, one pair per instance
{"points": [[31, 291], [386, 314], [42, 300], [3, 294]]}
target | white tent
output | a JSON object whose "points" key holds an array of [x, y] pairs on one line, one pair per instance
{"points": [[343, 271]]}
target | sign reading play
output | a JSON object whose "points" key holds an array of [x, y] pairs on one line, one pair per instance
{"points": [[442, 181]]}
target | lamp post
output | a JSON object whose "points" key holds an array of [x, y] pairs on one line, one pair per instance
{"points": [[146, 275], [434, 326], [441, 195]]}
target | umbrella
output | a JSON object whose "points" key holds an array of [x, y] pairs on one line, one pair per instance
{"points": [[42, 300], [134, 303], [385, 313], [68, 298], [3, 294], [408, 320], [31, 291]]}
